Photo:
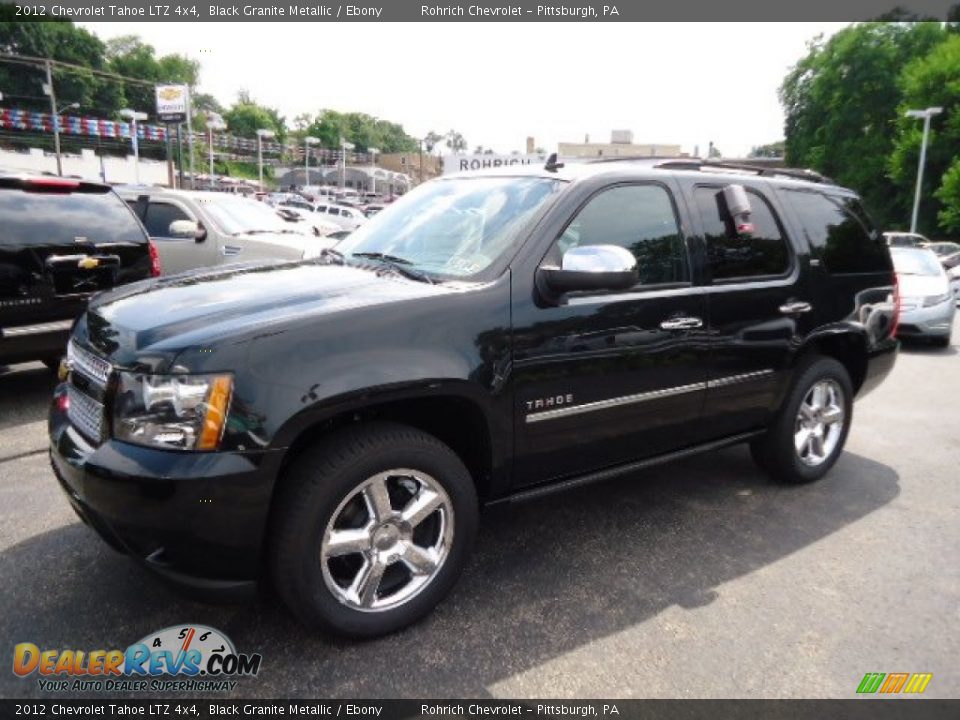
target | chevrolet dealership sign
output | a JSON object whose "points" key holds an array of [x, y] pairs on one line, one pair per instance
{"points": [[462, 163], [172, 103]]}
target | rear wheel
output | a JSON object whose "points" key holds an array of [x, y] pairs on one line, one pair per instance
{"points": [[371, 529], [809, 432]]}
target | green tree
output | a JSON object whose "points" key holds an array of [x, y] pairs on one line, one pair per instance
{"points": [[841, 102], [246, 116], [455, 142], [62, 41], [129, 56], [930, 81]]}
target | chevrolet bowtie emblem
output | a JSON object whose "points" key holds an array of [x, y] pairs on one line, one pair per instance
{"points": [[88, 263]]}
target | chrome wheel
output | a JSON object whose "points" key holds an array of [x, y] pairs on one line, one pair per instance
{"points": [[387, 540], [819, 422]]}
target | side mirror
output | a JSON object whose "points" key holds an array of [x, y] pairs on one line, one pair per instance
{"points": [[187, 229], [593, 267], [737, 200]]}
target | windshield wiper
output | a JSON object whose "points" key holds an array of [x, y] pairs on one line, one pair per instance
{"points": [[383, 256], [398, 264]]}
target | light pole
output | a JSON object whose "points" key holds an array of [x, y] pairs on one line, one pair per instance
{"points": [[373, 174], [344, 146], [926, 115], [134, 116], [261, 134], [214, 122], [308, 140]]}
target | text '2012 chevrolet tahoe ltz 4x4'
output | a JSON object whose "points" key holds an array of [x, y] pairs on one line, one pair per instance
{"points": [[335, 425]]}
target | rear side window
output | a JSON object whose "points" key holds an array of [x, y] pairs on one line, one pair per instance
{"points": [[840, 231], [48, 218], [639, 218], [732, 255], [159, 217]]}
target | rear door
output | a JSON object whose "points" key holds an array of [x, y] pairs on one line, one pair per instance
{"points": [[760, 305], [61, 241]]}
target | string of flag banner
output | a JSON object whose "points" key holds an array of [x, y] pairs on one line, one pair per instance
{"points": [[13, 119]]}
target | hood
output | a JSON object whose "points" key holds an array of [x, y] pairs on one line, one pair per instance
{"points": [[921, 286], [202, 307]]}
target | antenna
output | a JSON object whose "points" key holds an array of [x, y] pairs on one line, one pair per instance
{"points": [[552, 165]]}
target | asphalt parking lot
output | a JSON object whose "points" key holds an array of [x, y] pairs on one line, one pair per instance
{"points": [[698, 579]]}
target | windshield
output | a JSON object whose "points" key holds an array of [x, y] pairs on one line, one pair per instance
{"points": [[454, 228], [236, 215], [915, 262]]}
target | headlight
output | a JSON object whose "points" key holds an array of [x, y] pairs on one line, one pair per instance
{"points": [[182, 412], [932, 300]]}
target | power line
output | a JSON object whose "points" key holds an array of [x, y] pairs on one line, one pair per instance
{"points": [[32, 61]]}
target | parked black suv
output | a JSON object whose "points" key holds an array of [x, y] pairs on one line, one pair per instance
{"points": [[335, 424], [61, 240]]}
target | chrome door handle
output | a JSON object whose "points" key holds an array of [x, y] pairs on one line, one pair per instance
{"points": [[681, 323], [795, 308]]}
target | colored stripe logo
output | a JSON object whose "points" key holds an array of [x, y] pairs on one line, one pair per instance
{"points": [[894, 683]]}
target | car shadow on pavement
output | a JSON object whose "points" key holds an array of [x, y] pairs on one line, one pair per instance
{"points": [[919, 347], [25, 392], [547, 577]]}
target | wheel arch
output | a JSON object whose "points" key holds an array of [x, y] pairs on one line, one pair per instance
{"points": [[847, 345], [450, 414]]}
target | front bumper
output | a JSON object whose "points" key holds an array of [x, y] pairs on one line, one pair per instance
{"points": [[196, 519], [935, 321]]}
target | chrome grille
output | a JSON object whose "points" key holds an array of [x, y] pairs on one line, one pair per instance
{"points": [[94, 367], [85, 413]]}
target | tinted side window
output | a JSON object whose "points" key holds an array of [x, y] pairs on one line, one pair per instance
{"points": [[639, 218], [732, 255], [840, 230], [159, 217]]}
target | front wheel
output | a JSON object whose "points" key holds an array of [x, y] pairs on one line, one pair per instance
{"points": [[371, 529], [809, 432]]}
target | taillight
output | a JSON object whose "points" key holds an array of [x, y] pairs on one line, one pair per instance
{"points": [[896, 306], [51, 183], [155, 267]]}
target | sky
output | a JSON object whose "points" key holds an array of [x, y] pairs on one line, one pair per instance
{"points": [[498, 83]]}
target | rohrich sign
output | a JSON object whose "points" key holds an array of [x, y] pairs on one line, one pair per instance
{"points": [[462, 163], [172, 103]]}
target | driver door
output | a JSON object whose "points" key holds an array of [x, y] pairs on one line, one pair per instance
{"points": [[603, 378]]}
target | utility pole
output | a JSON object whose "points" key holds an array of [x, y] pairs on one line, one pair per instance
{"points": [[50, 93]]}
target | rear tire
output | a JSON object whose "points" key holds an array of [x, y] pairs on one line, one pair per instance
{"points": [[371, 529], [808, 433]]}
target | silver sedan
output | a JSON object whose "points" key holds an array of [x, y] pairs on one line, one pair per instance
{"points": [[927, 304]]}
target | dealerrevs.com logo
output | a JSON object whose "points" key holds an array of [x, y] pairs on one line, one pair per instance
{"points": [[182, 657]]}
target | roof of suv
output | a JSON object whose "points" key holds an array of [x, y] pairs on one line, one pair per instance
{"points": [[650, 166]]}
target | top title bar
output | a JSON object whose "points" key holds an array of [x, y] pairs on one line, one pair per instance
{"points": [[503, 11]]}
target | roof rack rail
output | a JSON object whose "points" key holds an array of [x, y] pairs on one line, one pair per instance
{"points": [[794, 173]]}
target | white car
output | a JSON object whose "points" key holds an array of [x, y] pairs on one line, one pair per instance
{"points": [[194, 229], [348, 218], [316, 222]]}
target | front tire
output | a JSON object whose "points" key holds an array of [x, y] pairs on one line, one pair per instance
{"points": [[371, 529], [810, 430]]}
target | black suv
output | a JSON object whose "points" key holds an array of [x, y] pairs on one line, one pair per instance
{"points": [[61, 240], [335, 424]]}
